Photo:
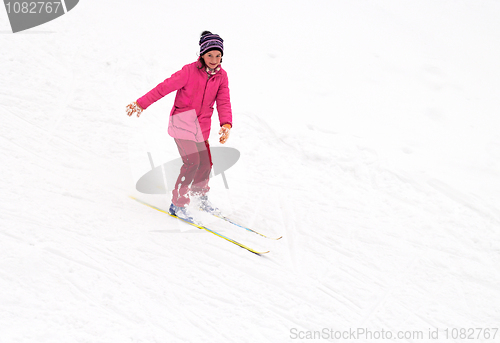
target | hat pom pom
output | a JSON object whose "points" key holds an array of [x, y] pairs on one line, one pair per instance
{"points": [[205, 33]]}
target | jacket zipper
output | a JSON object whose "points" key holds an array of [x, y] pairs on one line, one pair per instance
{"points": [[204, 91]]}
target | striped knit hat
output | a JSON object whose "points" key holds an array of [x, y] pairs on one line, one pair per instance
{"points": [[209, 42]]}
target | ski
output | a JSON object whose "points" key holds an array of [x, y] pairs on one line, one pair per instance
{"points": [[202, 227], [223, 217]]}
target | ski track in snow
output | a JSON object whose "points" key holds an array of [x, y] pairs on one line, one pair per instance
{"points": [[368, 241]]}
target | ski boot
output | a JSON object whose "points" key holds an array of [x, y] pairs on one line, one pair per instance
{"points": [[205, 205], [181, 212]]}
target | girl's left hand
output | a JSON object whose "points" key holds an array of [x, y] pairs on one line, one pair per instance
{"points": [[224, 132]]}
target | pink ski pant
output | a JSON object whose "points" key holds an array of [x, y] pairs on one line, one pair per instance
{"points": [[195, 171]]}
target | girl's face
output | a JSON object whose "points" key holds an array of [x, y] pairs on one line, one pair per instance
{"points": [[212, 58]]}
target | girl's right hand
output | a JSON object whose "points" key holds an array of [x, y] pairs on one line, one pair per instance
{"points": [[134, 108]]}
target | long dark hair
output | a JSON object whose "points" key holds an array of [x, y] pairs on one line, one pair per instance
{"points": [[202, 64]]}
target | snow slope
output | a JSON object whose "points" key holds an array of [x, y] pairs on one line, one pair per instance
{"points": [[368, 139]]}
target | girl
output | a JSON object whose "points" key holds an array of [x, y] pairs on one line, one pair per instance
{"points": [[199, 85]]}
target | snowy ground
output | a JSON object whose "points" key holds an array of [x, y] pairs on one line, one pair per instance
{"points": [[368, 134]]}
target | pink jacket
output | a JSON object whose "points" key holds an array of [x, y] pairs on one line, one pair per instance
{"points": [[194, 102]]}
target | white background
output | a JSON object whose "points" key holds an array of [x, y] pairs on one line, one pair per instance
{"points": [[368, 133]]}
